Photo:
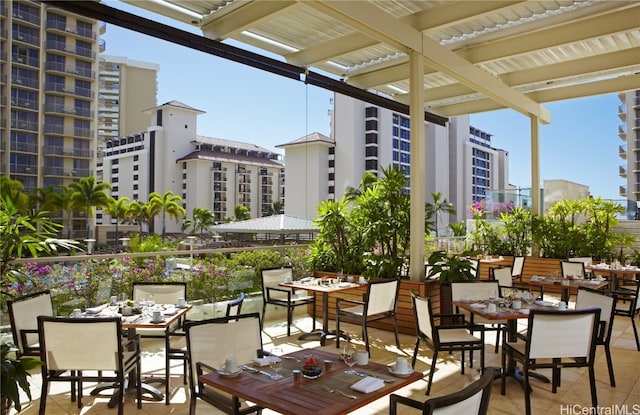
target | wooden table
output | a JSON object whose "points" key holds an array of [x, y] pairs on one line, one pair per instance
{"points": [[143, 321], [568, 285], [315, 286], [511, 316], [309, 396], [613, 274]]}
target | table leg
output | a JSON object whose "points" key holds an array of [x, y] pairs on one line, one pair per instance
{"points": [[324, 332]]}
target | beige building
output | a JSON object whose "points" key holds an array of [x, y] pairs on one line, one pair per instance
{"points": [[48, 103]]}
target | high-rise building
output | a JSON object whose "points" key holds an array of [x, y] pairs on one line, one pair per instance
{"points": [[629, 151], [126, 89], [460, 162], [48, 96], [206, 172]]}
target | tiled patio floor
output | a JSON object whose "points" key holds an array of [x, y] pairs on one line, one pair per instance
{"points": [[572, 397]]}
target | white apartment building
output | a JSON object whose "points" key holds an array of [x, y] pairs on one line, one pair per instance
{"points": [[461, 164], [206, 172], [48, 96], [629, 151]]}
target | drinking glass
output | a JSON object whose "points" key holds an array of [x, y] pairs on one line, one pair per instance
{"points": [[113, 308], [276, 364], [527, 297], [349, 355], [492, 294]]}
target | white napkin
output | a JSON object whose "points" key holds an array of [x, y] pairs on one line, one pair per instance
{"points": [[543, 303], [368, 384], [95, 310], [478, 305], [171, 311], [264, 361]]}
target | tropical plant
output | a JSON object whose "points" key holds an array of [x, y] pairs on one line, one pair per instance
{"points": [[452, 268], [170, 204], [276, 208], [439, 206], [135, 214], [367, 181], [15, 374], [458, 228], [240, 213], [202, 220], [149, 211], [517, 226], [117, 209], [89, 194]]}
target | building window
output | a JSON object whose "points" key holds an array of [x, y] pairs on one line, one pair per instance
{"points": [[371, 151], [371, 112], [371, 165], [371, 138], [371, 125], [332, 176], [332, 163], [332, 150]]}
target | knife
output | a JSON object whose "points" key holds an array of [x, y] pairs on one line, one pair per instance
{"points": [[253, 370], [364, 375]]}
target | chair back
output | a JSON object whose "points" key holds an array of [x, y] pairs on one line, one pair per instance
{"points": [[382, 296], [271, 277], [503, 276], [80, 344], [471, 400], [557, 334], [475, 266], [586, 260], [474, 290], [163, 292], [234, 306], [423, 316], [570, 268], [628, 296], [517, 266], [589, 298], [211, 341], [23, 315]]}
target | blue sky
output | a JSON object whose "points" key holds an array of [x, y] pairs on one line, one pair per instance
{"points": [[250, 105]]}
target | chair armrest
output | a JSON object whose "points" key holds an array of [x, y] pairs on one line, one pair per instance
{"points": [[201, 365], [346, 300], [282, 290], [23, 337], [453, 316], [394, 400]]}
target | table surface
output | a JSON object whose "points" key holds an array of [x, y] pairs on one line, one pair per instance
{"points": [[315, 285], [143, 320], [309, 396], [574, 284]]}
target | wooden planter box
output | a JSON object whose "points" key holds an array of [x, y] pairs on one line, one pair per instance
{"points": [[406, 320]]}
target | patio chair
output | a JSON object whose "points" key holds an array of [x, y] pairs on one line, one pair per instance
{"points": [[284, 296], [628, 305], [235, 306], [478, 290], [71, 347], [517, 268], [165, 293], [606, 302], [503, 276], [555, 340], [470, 400], [23, 315], [572, 269], [208, 343], [586, 260], [379, 303], [455, 337]]}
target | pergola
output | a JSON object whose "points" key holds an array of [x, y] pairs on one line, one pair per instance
{"points": [[444, 57]]}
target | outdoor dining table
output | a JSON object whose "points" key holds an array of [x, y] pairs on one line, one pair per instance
{"points": [[567, 285], [478, 307], [317, 285], [613, 273], [170, 315], [310, 396]]}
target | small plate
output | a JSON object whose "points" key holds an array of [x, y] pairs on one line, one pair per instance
{"points": [[157, 321], [182, 306], [400, 375], [230, 374]]}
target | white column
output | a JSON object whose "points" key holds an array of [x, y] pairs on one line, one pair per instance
{"points": [[535, 167], [416, 82]]}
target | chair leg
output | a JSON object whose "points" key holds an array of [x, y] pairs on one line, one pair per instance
{"points": [[313, 312], [365, 334], [289, 320], [462, 363], [431, 370], [264, 309], [607, 352], [395, 330], [337, 331], [635, 331], [503, 372], [415, 352], [592, 385], [527, 390], [498, 332]]}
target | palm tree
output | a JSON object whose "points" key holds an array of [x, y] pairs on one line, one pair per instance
{"points": [[67, 205], [117, 209], [135, 215], [367, 181], [202, 219], [149, 211], [45, 199], [170, 204], [14, 190], [90, 194], [439, 205], [241, 212], [276, 208]]}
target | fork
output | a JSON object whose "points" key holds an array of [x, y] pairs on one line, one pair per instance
{"points": [[330, 390]]}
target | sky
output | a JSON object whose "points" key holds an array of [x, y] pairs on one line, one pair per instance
{"points": [[249, 105]]}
